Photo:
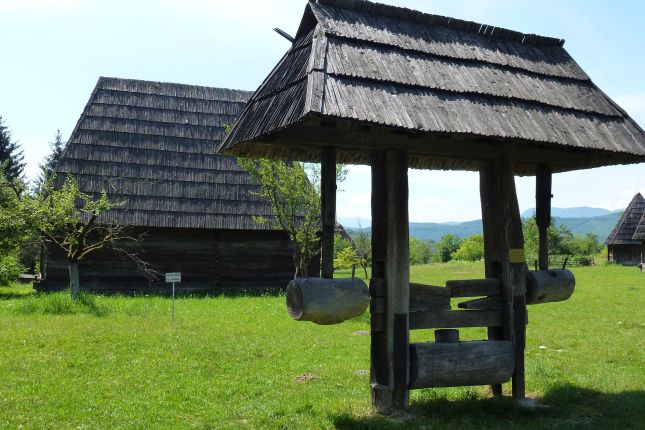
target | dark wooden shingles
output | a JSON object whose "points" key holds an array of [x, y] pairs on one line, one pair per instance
{"points": [[445, 41], [623, 232]]}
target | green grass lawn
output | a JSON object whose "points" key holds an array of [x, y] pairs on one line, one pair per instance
{"points": [[241, 362]]}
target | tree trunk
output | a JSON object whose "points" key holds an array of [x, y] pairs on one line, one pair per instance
{"points": [[74, 282]]}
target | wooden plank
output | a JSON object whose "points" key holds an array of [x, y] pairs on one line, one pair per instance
{"points": [[460, 364], [328, 210], [397, 272], [429, 297], [485, 303], [475, 287], [543, 196], [455, 319]]}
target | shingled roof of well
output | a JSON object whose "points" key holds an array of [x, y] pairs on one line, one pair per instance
{"points": [[152, 146], [419, 73], [623, 233]]}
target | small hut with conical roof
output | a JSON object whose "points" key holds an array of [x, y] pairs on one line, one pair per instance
{"points": [[626, 243], [396, 88], [151, 145]]}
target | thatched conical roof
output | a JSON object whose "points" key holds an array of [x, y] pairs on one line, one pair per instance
{"points": [[623, 233], [362, 76], [152, 145]]}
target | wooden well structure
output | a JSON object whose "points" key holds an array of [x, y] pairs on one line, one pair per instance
{"points": [[394, 88]]}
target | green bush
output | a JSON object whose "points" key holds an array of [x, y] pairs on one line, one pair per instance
{"points": [[10, 268], [471, 249]]}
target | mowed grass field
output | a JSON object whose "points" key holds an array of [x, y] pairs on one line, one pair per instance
{"points": [[241, 362]]}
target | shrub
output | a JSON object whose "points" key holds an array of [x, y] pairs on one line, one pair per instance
{"points": [[10, 268], [471, 249]]}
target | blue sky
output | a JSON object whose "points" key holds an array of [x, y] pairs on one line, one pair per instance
{"points": [[53, 52]]}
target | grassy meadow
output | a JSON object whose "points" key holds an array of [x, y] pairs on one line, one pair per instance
{"points": [[238, 362]]}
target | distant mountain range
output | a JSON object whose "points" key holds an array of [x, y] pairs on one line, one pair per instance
{"points": [[600, 225]]}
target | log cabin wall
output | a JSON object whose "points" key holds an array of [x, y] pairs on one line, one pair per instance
{"points": [[628, 255], [209, 260]]}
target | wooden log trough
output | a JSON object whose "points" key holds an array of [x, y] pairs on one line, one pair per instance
{"points": [[327, 301]]}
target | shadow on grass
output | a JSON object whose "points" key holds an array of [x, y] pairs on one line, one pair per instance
{"points": [[564, 407]]}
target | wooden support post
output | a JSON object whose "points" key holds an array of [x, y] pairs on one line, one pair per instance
{"points": [[543, 183], [390, 255], [397, 273], [379, 359], [504, 255], [328, 210]]}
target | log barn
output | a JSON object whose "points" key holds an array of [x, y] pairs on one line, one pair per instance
{"points": [[394, 88], [626, 243], [152, 146]]}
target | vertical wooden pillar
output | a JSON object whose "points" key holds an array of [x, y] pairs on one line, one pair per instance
{"points": [[391, 281], [543, 181], [328, 210], [504, 255]]}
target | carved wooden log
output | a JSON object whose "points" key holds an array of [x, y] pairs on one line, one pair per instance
{"points": [[460, 364], [543, 286], [327, 301]]}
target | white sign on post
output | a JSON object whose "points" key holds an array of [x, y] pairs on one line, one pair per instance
{"points": [[173, 277]]}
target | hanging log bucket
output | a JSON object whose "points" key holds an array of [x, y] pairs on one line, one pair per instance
{"points": [[327, 301], [543, 286]]}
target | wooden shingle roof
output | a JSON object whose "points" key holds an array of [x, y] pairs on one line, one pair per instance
{"points": [[362, 75], [623, 233], [639, 233], [152, 146]]}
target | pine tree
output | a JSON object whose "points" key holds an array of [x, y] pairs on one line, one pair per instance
{"points": [[48, 167], [10, 154]]}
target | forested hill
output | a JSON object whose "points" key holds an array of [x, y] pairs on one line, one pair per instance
{"points": [[599, 225]]}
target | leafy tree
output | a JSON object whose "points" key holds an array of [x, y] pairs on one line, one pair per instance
{"points": [[560, 239], [78, 224], [471, 249], [445, 248], [420, 251], [588, 244], [340, 243], [13, 230], [295, 200], [363, 249], [48, 166], [346, 258], [10, 154]]}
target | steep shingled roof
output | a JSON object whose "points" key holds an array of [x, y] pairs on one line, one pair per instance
{"points": [[623, 233], [153, 145], [639, 233], [452, 92]]}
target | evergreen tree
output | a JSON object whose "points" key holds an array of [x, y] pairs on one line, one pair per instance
{"points": [[10, 154], [48, 167]]}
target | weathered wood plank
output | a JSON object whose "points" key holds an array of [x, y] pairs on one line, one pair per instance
{"points": [[545, 286], [460, 364], [485, 303], [429, 297], [475, 287], [328, 210], [455, 319]]}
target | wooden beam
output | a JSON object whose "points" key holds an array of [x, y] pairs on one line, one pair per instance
{"points": [[328, 210], [397, 273], [455, 319], [543, 184], [475, 287]]}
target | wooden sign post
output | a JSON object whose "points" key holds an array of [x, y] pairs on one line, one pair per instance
{"points": [[173, 277]]}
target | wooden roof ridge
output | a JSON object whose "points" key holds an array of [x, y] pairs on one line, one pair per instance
{"points": [[153, 147], [625, 229], [490, 31]]}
